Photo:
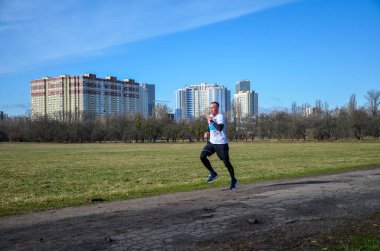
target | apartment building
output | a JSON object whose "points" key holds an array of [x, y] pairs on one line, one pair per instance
{"points": [[3, 115], [193, 101], [243, 85], [87, 95], [245, 101]]}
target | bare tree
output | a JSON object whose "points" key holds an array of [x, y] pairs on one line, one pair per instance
{"points": [[296, 110], [373, 98], [343, 124], [352, 104], [236, 108], [282, 125], [4, 131], [160, 111], [360, 121], [318, 108]]}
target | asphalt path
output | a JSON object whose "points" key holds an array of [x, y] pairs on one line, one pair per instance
{"points": [[272, 215]]}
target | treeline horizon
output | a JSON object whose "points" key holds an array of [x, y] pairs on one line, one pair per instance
{"points": [[351, 122]]}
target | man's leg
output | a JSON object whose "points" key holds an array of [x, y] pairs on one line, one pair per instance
{"points": [[223, 154], [208, 150]]}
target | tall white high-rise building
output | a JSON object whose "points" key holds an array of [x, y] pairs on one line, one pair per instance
{"points": [[193, 101], [243, 85], [151, 90], [245, 101], [246, 104], [87, 95]]}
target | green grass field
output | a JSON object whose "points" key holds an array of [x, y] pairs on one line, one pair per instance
{"points": [[40, 176], [363, 242]]}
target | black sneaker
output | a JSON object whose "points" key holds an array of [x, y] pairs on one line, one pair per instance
{"points": [[234, 184], [212, 177]]}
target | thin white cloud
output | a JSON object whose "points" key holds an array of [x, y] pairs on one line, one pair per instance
{"points": [[33, 32], [12, 106]]}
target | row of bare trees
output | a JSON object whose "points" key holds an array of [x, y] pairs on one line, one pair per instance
{"points": [[351, 122], [102, 129]]}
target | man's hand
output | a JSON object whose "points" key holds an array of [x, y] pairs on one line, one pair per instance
{"points": [[206, 135], [208, 117]]}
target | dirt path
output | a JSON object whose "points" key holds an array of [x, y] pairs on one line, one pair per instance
{"points": [[267, 216]]}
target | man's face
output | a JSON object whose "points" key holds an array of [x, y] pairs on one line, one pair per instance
{"points": [[214, 109]]}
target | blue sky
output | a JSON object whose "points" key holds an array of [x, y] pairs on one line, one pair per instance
{"points": [[291, 50]]}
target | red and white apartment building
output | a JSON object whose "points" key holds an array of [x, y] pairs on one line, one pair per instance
{"points": [[87, 95]]}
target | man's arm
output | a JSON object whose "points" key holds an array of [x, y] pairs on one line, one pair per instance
{"points": [[207, 129], [218, 127], [207, 132]]}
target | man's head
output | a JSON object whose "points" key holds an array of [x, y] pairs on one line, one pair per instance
{"points": [[214, 108]]}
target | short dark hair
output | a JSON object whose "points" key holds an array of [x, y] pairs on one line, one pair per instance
{"points": [[214, 102]]}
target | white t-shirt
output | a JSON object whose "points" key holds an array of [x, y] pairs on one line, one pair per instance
{"points": [[218, 137]]}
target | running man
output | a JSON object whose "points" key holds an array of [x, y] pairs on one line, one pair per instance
{"points": [[218, 144]]}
